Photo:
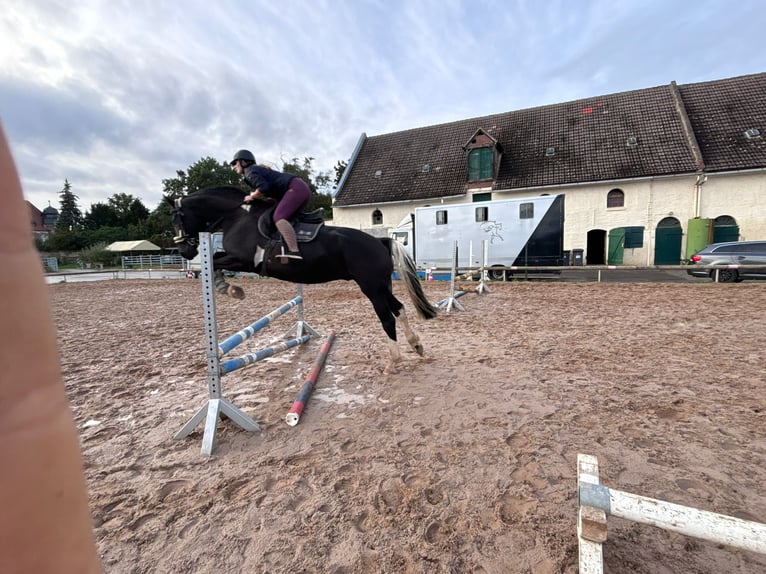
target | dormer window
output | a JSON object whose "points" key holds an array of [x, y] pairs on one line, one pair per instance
{"points": [[481, 164], [483, 155]]}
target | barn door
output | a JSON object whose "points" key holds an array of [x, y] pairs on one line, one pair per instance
{"points": [[667, 242], [616, 246], [725, 228]]}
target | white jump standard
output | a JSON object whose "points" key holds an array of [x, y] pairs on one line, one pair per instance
{"points": [[217, 405], [597, 503]]}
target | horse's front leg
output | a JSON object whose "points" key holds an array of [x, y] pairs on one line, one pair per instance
{"points": [[225, 288], [221, 261]]}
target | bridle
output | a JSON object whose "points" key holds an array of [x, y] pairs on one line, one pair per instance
{"points": [[181, 236]]}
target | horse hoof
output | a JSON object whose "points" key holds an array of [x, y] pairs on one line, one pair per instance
{"points": [[236, 292], [418, 349]]}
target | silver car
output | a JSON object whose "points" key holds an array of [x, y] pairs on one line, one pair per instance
{"points": [[744, 260]]}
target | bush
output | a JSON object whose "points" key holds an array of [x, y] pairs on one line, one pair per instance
{"points": [[97, 253]]}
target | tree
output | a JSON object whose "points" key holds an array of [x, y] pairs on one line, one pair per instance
{"points": [[340, 169], [100, 215], [128, 209], [206, 172], [70, 216]]}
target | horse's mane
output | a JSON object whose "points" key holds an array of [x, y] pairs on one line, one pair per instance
{"points": [[225, 192], [229, 197]]}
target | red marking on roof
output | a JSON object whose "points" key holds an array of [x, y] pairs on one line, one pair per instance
{"points": [[588, 110]]}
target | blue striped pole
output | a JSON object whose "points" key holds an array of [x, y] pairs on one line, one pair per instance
{"points": [[237, 363], [230, 342]]}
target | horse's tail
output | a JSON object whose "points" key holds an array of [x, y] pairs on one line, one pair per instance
{"points": [[406, 268]]}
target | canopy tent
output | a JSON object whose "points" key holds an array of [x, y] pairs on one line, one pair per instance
{"points": [[141, 245]]}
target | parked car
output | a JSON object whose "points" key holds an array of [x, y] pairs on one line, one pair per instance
{"points": [[748, 257]]}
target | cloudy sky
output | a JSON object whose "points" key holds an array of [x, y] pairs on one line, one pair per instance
{"points": [[116, 96]]}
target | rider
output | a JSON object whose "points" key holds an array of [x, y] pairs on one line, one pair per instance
{"points": [[291, 193]]}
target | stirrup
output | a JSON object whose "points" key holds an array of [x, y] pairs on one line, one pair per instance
{"points": [[285, 255]]}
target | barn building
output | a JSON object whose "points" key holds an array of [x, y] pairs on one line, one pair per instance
{"points": [[649, 175]]}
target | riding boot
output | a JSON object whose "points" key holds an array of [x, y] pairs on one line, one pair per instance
{"points": [[288, 234]]}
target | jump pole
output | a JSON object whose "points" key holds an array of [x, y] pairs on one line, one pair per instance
{"points": [[296, 410], [597, 502], [217, 405]]}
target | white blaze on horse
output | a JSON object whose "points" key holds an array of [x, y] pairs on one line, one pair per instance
{"points": [[251, 244]]}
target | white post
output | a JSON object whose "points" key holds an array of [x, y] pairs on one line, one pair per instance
{"points": [[591, 522], [452, 301], [216, 405], [483, 287]]}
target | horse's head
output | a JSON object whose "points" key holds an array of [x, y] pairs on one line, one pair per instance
{"points": [[203, 210], [185, 227]]}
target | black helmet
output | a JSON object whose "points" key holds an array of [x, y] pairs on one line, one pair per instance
{"points": [[244, 154]]}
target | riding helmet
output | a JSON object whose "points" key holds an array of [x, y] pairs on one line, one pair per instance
{"points": [[244, 154]]}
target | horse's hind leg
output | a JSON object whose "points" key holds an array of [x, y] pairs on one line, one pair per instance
{"points": [[380, 302], [412, 337]]}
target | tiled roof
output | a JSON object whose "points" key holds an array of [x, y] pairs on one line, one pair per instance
{"points": [[720, 113], [590, 138]]}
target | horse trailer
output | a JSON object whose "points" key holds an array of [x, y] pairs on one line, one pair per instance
{"points": [[520, 232]]}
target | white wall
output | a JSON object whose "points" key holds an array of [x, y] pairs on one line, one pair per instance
{"points": [[647, 202]]}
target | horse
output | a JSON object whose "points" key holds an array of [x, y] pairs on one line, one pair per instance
{"points": [[252, 244]]}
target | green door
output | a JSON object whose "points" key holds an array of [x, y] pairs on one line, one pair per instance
{"points": [[723, 233], [616, 246], [667, 245]]}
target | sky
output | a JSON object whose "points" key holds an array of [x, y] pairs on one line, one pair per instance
{"points": [[115, 96]]}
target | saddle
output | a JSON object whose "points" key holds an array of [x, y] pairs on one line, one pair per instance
{"points": [[306, 224]]}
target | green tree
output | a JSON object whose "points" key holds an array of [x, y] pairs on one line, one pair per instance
{"points": [[128, 209], [100, 215], [207, 172], [70, 216], [340, 169]]}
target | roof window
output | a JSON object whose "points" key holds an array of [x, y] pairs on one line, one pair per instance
{"points": [[550, 152], [631, 141], [753, 134]]}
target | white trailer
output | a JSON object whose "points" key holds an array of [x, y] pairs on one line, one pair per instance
{"points": [[520, 232]]}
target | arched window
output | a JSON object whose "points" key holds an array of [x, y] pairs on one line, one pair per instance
{"points": [[615, 198], [377, 217]]}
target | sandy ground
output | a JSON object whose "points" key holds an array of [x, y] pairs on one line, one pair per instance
{"points": [[464, 461]]}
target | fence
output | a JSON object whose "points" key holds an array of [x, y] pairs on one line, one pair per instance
{"points": [[50, 264], [152, 262]]}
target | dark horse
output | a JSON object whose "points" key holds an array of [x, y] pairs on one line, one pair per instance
{"points": [[329, 253]]}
